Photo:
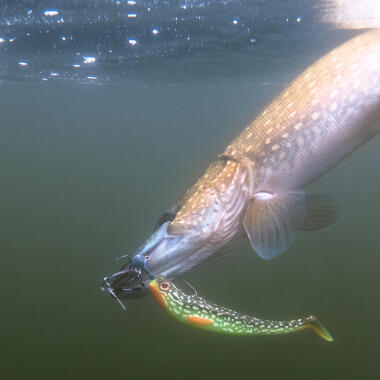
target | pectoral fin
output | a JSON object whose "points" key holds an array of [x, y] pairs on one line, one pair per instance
{"points": [[271, 221], [322, 211]]}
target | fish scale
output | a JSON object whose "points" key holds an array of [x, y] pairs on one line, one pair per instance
{"points": [[334, 100]]}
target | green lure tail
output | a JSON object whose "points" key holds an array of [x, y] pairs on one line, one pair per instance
{"points": [[198, 312]]}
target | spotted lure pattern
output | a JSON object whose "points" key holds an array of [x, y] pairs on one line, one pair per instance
{"points": [[196, 311]]}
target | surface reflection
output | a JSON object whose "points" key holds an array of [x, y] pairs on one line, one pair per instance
{"points": [[50, 35]]}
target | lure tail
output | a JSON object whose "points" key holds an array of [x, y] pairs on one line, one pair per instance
{"points": [[318, 328]]}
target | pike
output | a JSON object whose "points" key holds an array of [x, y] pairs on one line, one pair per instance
{"points": [[255, 188]]}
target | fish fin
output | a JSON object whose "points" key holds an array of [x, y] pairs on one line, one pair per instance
{"points": [[318, 328], [271, 221], [322, 211], [195, 319]]}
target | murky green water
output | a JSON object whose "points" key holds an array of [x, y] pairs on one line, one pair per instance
{"points": [[84, 173]]}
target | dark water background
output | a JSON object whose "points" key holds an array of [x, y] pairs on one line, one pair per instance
{"points": [[90, 157]]}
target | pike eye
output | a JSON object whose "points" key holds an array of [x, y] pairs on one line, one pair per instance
{"points": [[164, 286]]}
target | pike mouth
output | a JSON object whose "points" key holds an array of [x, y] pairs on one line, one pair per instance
{"points": [[162, 254]]}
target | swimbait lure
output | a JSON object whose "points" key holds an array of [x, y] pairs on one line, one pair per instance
{"points": [[198, 312]]}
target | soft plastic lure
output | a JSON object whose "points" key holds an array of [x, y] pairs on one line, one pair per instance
{"points": [[198, 312]]}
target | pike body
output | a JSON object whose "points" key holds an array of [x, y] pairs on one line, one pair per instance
{"points": [[255, 188]]}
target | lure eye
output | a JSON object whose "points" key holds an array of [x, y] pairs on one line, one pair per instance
{"points": [[165, 286]]}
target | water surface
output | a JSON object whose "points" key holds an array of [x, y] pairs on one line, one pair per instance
{"points": [[90, 158]]}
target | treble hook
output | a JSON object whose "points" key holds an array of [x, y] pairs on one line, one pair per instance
{"points": [[191, 287], [140, 262], [110, 291], [123, 257]]}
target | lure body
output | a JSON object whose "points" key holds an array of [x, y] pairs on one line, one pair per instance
{"points": [[198, 312], [255, 188]]}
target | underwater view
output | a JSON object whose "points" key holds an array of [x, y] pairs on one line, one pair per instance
{"points": [[111, 113]]}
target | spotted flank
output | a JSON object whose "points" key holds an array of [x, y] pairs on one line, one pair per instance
{"points": [[198, 312]]}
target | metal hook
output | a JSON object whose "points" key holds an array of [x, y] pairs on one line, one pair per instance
{"points": [[111, 292], [138, 271], [123, 257], [191, 287], [140, 262]]}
